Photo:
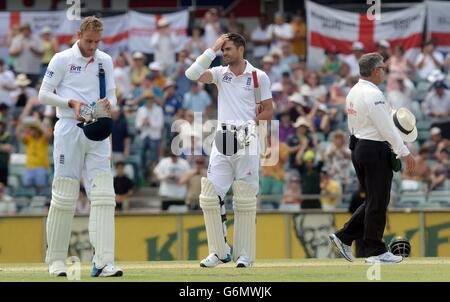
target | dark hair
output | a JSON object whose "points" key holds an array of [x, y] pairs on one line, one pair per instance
{"points": [[237, 39], [120, 163], [368, 63]]}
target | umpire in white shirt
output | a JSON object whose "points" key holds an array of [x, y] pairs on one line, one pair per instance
{"points": [[374, 138]]}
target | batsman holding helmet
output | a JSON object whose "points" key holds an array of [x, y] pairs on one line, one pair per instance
{"points": [[244, 98], [82, 77]]}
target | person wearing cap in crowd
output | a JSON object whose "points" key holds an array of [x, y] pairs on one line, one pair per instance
{"points": [[278, 66], [23, 94], [156, 70], [339, 159], [50, 46], [331, 189], [164, 42], [173, 105], [267, 66], [301, 137], [146, 90], [436, 143], [83, 79], [437, 106], [138, 69], [28, 51], [384, 49], [310, 174], [352, 60], [377, 139]]}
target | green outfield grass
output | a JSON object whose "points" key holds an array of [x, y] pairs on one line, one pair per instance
{"points": [[305, 270]]}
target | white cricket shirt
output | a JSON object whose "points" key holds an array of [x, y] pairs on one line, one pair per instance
{"points": [[369, 116], [236, 96], [76, 77]]}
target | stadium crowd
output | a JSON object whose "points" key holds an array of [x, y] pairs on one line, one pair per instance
{"points": [[158, 107]]}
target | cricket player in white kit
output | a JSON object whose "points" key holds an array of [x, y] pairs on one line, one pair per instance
{"points": [[234, 159], [74, 74]]}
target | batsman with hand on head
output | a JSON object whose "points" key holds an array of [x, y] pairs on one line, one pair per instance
{"points": [[82, 77], [234, 159]]}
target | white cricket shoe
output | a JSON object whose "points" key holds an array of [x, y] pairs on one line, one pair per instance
{"points": [[387, 257], [213, 260], [109, 270], [57, 269], [243, 261], [345, 250]]}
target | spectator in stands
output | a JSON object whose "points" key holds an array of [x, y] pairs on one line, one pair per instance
{"points": [[286, 128], [122, 75], [28, 51], [192, 179], [399, 67], [7, 204], [192, 147], [340, 89], [83, 206], [288, 57], [260, 39], [420, 178], [434, 145], [36, 140], [197, 100], [437, 106], [169, 172], [273, 176], [156, 69], [318, 91], [280, 31], [234, 26], [352, 60], [7, 84], [214, 28], [267, 67], [440, 174], [310, 175], [298, 26], [195, 45], [296, 141], [6, 149], [120, 137], [331, 64], [339, 159], [401, 95], [384, 49], [322, 117], [331, 189], [138, 69], [292, 194], [164, 42], [23, 93], [148, 90], [173, 104], [123, 186], [176, 73], [149, 124], [14, 31], [429, 60], [50, 46]]}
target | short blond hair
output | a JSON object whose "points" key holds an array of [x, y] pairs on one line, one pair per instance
{"points": [[91, 23]]}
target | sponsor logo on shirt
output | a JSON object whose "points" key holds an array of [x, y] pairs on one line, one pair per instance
{"points": [[379, 103], [226, 78], [49, 73], [350, 110], [74, 68]]}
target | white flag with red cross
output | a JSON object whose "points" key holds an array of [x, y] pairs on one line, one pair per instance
{"points": [[438, 24], [338, 29]]}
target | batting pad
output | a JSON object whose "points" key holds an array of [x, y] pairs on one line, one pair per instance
{"points": [[59, 221], [244, 205], [101, 219], [209, 202]]}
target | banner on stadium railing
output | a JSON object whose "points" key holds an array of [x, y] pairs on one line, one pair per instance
{"points": [[131, 31], [327, 26], [438, 24]]}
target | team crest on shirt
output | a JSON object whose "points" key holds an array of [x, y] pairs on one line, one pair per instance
{"points": [[249, 81], [74, 68], [226, 78], [49, 73]]}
